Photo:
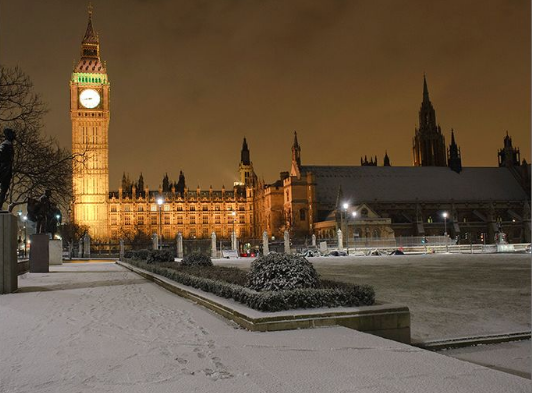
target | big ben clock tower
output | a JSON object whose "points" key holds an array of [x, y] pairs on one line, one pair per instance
{"points": [[89, 112]]}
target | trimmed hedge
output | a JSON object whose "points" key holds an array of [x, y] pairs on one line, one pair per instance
{"points": [[345, 295], [141, 254], [196, 259], [159, 256]]}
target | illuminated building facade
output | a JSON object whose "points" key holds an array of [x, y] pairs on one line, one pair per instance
{"points": [[174, 208], [389, 201]]}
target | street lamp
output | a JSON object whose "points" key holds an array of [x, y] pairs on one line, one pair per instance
{"points": [[160, 204], [445, 215], [234, 240], [24, 218], [345, 207]]}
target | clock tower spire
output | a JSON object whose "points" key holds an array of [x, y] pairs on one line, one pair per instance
{"points": [[89, 114]]}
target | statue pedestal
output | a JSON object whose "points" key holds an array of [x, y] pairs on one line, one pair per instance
{"points": [[8, 253], [40, 253], [55, 249]]}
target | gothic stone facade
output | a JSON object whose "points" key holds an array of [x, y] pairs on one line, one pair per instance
{"points": [[399, 201]]}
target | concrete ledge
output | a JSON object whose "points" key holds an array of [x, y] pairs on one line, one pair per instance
{"points": [[460, 342], [388, 321]]}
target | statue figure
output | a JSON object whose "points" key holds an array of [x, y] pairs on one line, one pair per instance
{"points": [[45, 213], [7, 154]]}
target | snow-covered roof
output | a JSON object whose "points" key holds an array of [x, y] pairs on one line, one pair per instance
{"points": [[411, 184]]}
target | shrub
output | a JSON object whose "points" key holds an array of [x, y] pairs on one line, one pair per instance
{"points": [[196, 259], [344, 295], [276, 272], [141, 254], [160, 256], [128, 254]]}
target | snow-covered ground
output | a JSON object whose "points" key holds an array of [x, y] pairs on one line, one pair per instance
{"points": [[96, 327], [449, 295]]}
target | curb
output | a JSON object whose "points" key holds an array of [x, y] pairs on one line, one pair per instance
{"points": [[461, 342]]}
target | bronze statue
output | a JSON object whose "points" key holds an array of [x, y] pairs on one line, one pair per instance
{"points": [[7, 154], [44, 213]]}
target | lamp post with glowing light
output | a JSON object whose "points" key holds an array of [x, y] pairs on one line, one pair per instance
{"points": [[445, 215], [345, 206], [160, 204], [24, 219], [234, 239]]}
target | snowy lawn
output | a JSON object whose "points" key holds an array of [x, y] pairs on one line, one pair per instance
{"points": [[449, 295], [96, 327]]}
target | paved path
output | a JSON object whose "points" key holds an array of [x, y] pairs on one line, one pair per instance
{"points": [[99, 328]]}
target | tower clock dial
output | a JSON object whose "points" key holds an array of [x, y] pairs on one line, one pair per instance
{"points": [[89, 98]]}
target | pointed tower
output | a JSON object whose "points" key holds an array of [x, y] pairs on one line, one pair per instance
{"points": [[166, 183], [89, 114], [246, 168], [386, 160], [454, 156], [509, 156], [296, 160], [140, 183], [429, 148], [180, 186]]}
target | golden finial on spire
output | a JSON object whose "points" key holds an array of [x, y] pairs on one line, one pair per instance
{"points": [[90, 8]]}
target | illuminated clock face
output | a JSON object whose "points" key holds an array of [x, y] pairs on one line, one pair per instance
{"points": [[89, 98]]}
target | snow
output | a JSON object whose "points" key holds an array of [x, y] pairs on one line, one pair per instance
{"points": [[449, 295], [96, 327], [511, 357]]}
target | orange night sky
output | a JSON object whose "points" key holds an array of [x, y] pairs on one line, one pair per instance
{"points": [[190, 79]]}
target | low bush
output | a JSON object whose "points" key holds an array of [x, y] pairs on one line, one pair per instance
{"points": [[160, 256], [128, 254], [141, 255], [196, 259], [329, 295], [276, 272]]}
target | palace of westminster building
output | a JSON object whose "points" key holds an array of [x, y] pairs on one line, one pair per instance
{"points": [[375, 201]]}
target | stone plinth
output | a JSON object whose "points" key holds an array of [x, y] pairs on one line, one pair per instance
{"points": [[40, 253], [8, 253], [55, 252]]}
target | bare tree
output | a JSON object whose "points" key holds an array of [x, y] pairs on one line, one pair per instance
{"points": [[40, 163]]}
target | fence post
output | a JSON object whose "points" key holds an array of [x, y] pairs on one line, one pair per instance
{"points": [[121, 255], [265, 243], [80, 248], [70, 250], [155, 241], [313, 240], [233, 241], [286, 242], [179, 245], [213, 245], [87, 246], [339, 240]]}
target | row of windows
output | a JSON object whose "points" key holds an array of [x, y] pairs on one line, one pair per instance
{"points": [[167, 207], [89, 114], [141, 222], [86, 79]]}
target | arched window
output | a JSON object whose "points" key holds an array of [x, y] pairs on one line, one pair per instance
{"points": [[302, 214], [364, 212]]}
